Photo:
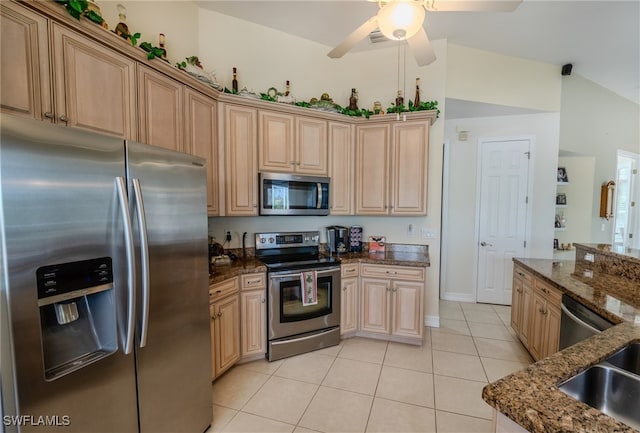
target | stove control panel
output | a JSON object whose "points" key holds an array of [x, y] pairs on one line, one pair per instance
{"points": [[266, 241]]}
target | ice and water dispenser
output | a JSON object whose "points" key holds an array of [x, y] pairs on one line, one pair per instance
{"points": [[77, 314]]}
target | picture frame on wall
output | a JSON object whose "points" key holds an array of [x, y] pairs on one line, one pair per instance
{"points": [[563, 177], [561, 199]]}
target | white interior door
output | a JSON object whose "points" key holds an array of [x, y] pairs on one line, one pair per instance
{"points": [[504, 174]]}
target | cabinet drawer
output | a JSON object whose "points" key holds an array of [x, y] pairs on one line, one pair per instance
{"points": [[349, 270], [220, 290], [523, 274], [550, 293], [395, 272], [253, 281]]}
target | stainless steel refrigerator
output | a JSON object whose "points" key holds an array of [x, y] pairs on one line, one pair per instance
{"points": [[104, 319]]}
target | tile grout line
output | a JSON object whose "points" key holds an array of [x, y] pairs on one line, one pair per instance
{"points": [[375, 391]]}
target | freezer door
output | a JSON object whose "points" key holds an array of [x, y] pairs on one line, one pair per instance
{"points": [[174, 364], [60, 205]]}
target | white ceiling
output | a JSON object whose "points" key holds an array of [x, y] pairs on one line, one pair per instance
{"points": [[601, 38]]}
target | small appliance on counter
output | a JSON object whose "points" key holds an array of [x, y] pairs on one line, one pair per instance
{"points": [[217, 255], [338, 239], [355, 239]]}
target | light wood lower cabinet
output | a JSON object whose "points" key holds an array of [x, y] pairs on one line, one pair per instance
{"points": [[535, 313], [224, 311], [545, 317], [349, 299], [253, 314], [522, 292], [391, 302]]}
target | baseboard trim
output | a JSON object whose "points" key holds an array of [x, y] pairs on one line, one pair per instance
{"points": [[432, 321], [458, 297]]}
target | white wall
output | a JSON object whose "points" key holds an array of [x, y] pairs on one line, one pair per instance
{"points": [[266, 57], [596, 122], [483, 76], [460, 226], [176, 19]]}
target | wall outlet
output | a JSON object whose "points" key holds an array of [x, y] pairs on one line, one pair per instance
{"points": [[227, 235], [428, 234], [410, 231]]}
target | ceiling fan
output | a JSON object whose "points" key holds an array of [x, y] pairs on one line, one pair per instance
{"points": [[403, 20]]}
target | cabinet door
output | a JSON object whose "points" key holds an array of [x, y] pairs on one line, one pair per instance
{"points": [[202, 140], [25, 88], [516, 303], [349, 306], [341, 159], [409, 156], [228, 324], [538, 328], [275, 142], [374, 305], [552, 335], [214, 339], [526, 324], [372, 170], [241, 175], [94, 87], [160, 102], [254, 322], [407, 306], [312, 149]]}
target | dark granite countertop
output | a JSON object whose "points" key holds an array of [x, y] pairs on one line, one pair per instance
{"points": [[395, 254], [531, 397], [631, 254], [239, 267]]}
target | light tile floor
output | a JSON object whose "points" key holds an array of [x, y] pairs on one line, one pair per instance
{"points": [[366, 385]]}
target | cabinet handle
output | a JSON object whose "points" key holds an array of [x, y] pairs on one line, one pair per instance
{"points": [[394, 290], [344, 289], [220, 314], [64, 118], [521, 274], [392, 272], [49, 115], [253, 281], [218, 291], [213, 317], [262, 301]]}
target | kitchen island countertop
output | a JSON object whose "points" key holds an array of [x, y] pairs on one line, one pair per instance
{"points": [[531, 396]]}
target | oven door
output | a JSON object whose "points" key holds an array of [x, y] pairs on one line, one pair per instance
{"points": [[289, 316]]}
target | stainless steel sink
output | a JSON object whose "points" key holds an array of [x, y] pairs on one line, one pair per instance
{"points": [[610, 390], [627, 358]]}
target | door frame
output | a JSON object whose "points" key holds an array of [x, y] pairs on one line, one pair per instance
{"points": [[529, 214]]}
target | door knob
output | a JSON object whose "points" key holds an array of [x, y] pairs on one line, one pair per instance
{"points": [[484, 244]]}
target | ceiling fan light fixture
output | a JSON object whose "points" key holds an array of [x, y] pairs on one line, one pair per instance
{"points": [[400, 19]]}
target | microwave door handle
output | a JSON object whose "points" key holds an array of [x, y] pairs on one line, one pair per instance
{"points": [[319, 202], [144, 257], [131, 271]]}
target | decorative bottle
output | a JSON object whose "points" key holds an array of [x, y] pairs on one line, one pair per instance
{"points": [[416, 102], [353, 100], [399, 99], [234, 83], [161, 41], [122, 29], [286, 91]]}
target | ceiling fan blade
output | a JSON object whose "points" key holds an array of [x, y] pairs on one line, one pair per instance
{"points": [[350, 41], [472, 5], [421, 48]]}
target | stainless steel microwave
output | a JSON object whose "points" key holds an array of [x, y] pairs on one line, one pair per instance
{"points": [[291, 194]]}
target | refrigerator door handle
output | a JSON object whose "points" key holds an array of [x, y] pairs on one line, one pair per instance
{"points": [[144, 256], [131, 264]]}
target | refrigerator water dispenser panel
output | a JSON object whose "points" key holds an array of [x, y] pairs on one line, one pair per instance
{"points": [[77, 314]]}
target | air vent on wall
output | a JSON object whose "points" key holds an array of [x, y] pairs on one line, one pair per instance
{"points": [[376, 37]]}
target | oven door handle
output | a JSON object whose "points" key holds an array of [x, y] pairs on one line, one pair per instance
{"points": [[298, 339], [298, 274]]}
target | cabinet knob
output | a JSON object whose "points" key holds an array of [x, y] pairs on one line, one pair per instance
{"points": [[213, 317], [220, 314], [49, 115], [262, 301], [64, 118], [394, 290]]}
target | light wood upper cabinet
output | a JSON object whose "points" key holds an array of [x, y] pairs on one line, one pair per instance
{"points": [[241, 168], [372, 169], [94, 87], [341, 161], [25, 85], [391, 173], [409, 156], [201, 139], [160, 101], [311, 148], [292, 144], [275, 141]]}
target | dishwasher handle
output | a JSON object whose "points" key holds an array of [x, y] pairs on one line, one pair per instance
{"points": [[576, 319]]}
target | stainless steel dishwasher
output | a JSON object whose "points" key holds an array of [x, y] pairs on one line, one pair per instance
{"points": [[578, 323]]}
